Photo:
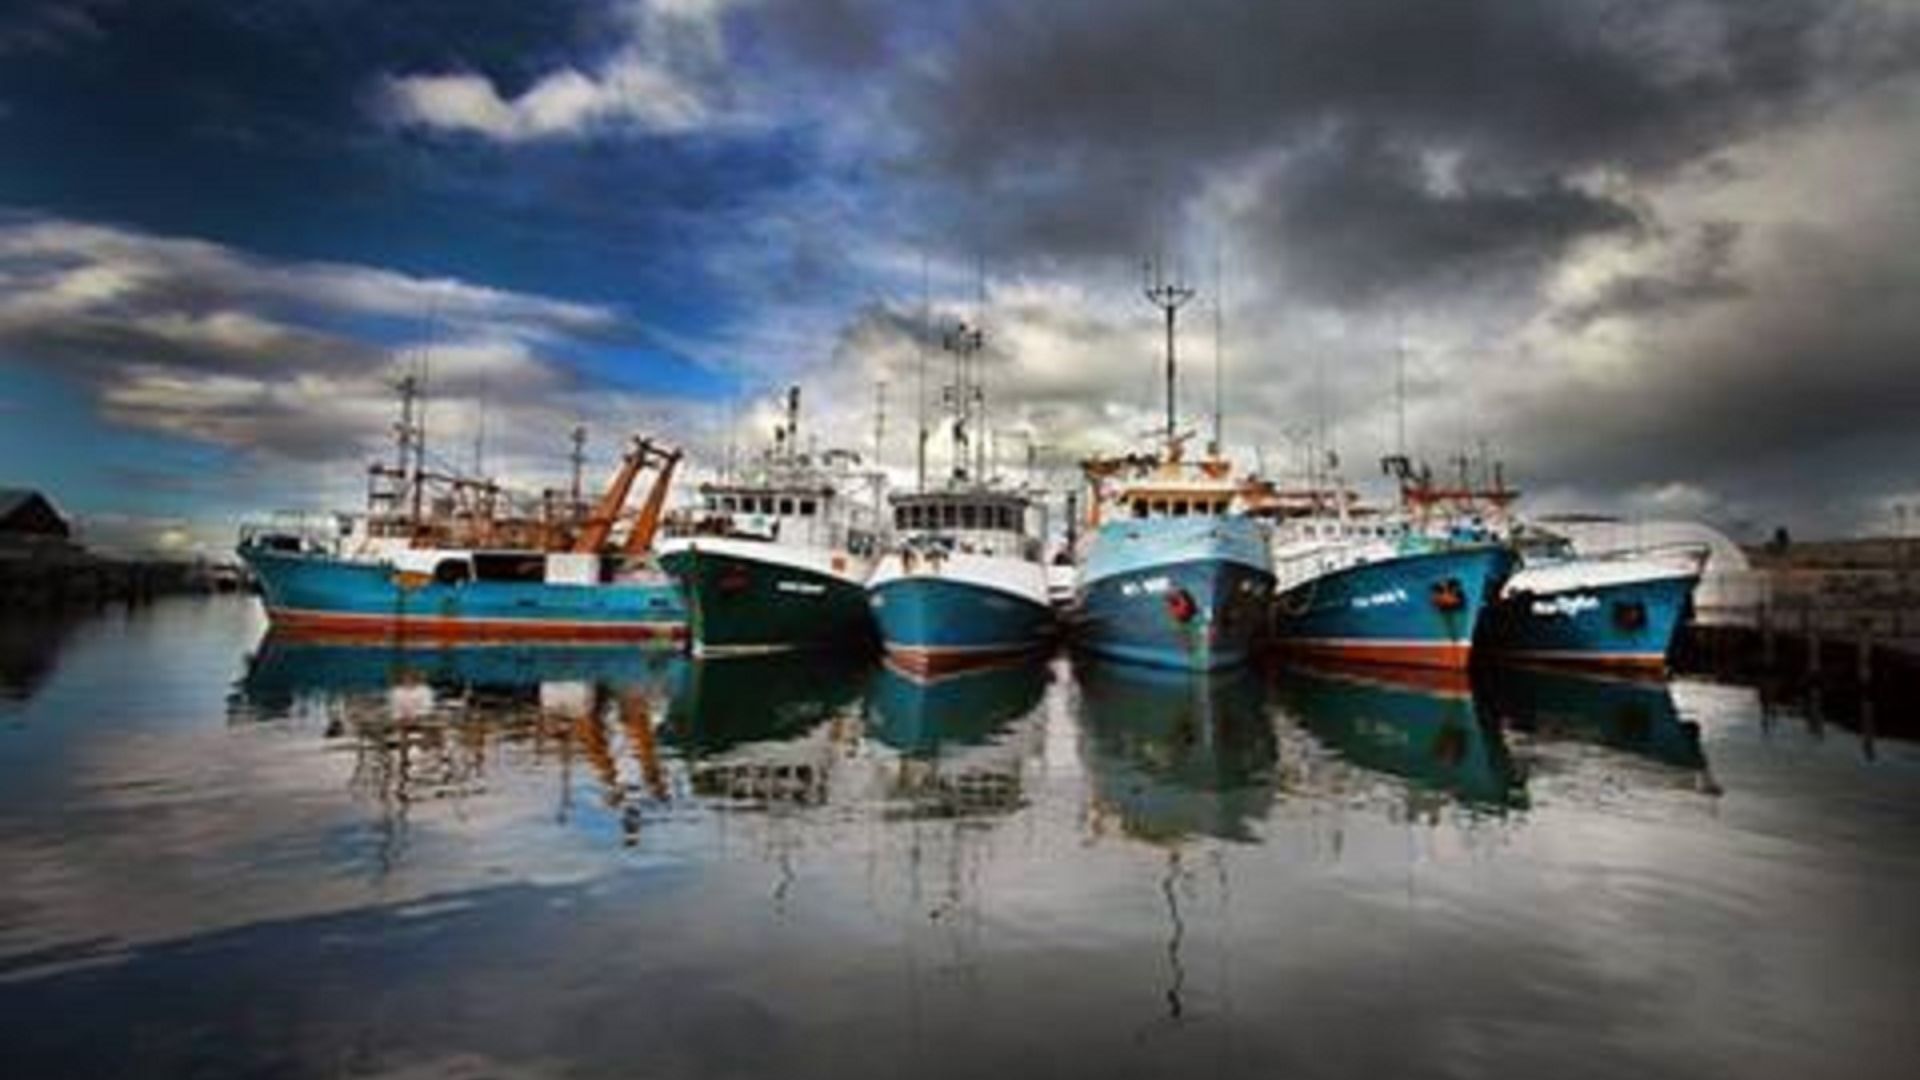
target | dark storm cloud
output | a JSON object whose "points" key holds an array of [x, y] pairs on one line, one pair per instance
{"points": [[1079, 127], [1366, 221], [1798, 400], [1703, 274]]}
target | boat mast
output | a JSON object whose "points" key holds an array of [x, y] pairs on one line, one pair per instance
{"points": [[1168, 296], [920, 340], [1400, 388], [1219, 335], [962, 341], [793, 424], [578, 458]]}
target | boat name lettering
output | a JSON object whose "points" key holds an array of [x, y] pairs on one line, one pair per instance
{"points": [[1568, 606], [1148, 586], [1380, 599], [804, 588]]}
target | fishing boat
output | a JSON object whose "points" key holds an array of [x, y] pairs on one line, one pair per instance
{"points": [[964, 582], [779, 558], [436, 558], [1620, 609], [1361, 584], [1172, 573]]}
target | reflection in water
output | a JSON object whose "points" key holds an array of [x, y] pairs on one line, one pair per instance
{"points": [[29, 649], [1637, 716], [1173, 754], [961, 739], [1415, 726], [186, 865], [764, 730], [429, 724]]}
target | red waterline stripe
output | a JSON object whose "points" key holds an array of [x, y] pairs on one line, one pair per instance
{"points": [[1451, 655], [359, 625], [1641, 662], [923, 660]]}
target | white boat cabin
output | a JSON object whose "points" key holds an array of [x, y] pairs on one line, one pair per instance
{"points": [[806, 514], [984, 522]]}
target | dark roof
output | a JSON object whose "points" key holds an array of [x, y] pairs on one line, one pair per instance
{"points": [[26, 510]]}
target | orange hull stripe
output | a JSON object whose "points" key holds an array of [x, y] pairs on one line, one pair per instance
{"points": [[386, 627], [1451, 655]]}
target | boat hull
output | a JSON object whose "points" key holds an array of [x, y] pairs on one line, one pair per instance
{"points": [[745, 598], [1187, 593], [1625, 625], [1420, 609], [322, 595], [970, 610]]}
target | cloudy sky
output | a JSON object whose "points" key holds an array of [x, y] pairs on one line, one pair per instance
{"points": [[1662, 257]]}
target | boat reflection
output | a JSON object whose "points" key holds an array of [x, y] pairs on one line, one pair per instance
{"points": [[1422, 727], [30, 651], [764, 730], [1172, 754], [285, 669], [1637, 716], [962, 739], [446, 723]]}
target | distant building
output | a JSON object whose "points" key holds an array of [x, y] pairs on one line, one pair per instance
{"points": [[25, 512], [30, 526]]}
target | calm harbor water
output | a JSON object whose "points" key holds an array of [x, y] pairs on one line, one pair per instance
{"points": [[226, 855]]}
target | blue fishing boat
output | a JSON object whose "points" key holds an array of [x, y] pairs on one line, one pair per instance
{"points": [[405, 575], [964, 584], [1177, 576], [1174, 591], [1620, 610], [1355, 583], [440, 594]]}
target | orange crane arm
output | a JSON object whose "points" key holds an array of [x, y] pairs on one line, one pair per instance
{"points": [[600, 525], [647, 525]]}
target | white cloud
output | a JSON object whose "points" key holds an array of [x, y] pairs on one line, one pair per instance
{"points": [[664, 80], [263, 360]]}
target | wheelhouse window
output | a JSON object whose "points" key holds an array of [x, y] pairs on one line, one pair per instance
{"points": [[969, 516], [808, 507], [452, 572], [786, 507]]}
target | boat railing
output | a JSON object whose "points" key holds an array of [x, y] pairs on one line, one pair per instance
{"points": [[1693, 552]]}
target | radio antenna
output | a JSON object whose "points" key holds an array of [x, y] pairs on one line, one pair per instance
{"points": [[1168, 296]]}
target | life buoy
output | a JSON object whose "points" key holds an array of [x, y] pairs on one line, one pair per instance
{"points": [[1448, 595], [1629, 615], [1181, 606], [734, 579]]}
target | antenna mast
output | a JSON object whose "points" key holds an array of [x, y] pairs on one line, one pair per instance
{"points": [[1400, 387], [920, 340], [406, 435], [579, 461], [480, 433], [1168, 296], [1219, 320], [962, 341]]}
